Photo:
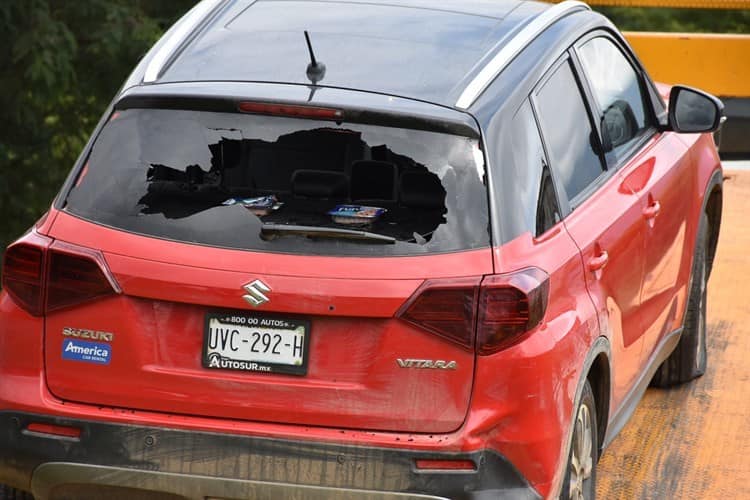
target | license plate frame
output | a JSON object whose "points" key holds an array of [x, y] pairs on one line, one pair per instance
{"points": [[243, 322]]}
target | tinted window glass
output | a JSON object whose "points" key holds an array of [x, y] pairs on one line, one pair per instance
{"points": [[547, 210], [567, 131], [228, 180], [531, 205], [615, 85]]}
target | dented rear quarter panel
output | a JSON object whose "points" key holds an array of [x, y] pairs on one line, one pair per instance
{"points": [[524, 396]]}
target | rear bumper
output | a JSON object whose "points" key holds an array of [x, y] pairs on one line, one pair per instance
{"points": [[116, 459]]}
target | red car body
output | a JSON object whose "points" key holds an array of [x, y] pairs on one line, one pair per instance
{"points": [[615, 272]]}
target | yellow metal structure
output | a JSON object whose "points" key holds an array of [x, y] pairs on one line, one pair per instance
{"points": [[719, 64], [689, 4]]}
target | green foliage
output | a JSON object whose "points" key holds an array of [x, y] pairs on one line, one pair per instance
{"points": [[60, 64], [679, 20]]}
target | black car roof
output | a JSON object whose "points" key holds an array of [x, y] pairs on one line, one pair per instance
{"points": [[419, 49]]}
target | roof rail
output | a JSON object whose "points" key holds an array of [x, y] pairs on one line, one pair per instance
{"points": [[516, 44], [178, 37]]}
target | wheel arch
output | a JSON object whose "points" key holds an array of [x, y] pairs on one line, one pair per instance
{"points": [[600, 379], [712, 206], [597, 365]]}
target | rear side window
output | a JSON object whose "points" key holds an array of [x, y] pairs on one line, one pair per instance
{"points": [[567, 130], [616, 88], [287, 185], [533, 200]]}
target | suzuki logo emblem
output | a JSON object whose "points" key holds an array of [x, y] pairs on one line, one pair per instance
{"points": [[256, 293]]}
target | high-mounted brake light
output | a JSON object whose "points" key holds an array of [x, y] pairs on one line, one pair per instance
{"points": [[264, 108], [42, 276], [501, 309]]}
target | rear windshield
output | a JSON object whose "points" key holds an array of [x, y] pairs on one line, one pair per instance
{"points": [[290, 185]]}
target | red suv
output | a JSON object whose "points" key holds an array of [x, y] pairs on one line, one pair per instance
{"points": [[361, 250]]}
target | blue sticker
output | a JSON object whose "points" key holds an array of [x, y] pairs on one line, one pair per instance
{"points": [[90, 352]]}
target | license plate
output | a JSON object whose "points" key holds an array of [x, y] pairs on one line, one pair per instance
{"points": [[255, 343]]}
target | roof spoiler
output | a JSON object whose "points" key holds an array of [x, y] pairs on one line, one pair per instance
{"points": [[349, 106]]}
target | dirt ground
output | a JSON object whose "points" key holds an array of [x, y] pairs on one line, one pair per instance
{"points": [[693, 442]]}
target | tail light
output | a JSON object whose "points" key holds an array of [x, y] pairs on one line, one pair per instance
{"points": [[23, 276], [446, 308], [77, 275], [510, 305], [500, 309], [42, 276]]}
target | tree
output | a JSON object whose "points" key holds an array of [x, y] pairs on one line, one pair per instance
{"points": [[62, 62], [679, 20]]}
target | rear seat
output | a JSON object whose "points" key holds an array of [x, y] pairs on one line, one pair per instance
{"points": [[374, 182], [421, 189], [320, 184]]}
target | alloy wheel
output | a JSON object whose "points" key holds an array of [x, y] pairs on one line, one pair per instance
{"points": [[581, 461]]}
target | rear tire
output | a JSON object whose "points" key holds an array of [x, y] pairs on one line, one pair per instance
{"points": [[580, 473], [8, 493], [688, 360]]}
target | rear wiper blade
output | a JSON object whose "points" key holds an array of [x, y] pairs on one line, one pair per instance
{"points": [[270, 231]]}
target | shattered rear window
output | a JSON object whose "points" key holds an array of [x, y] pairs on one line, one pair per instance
{"points": [[288, 185]]}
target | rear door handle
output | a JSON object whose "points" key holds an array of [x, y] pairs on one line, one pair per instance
{"points": [[653, 208], [597, 263]]}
